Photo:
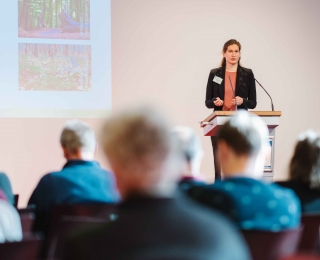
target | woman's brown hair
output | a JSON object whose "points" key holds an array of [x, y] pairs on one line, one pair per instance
{"points": [[225, 47], [305, 163]]}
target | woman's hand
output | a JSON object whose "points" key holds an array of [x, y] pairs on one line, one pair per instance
{"points": [[218, 102], [237, 101]]}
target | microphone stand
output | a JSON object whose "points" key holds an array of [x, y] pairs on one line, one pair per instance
{"points": [[272, 107]]}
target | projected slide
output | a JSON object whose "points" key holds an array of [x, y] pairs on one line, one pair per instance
{"points": [[55, 59], [59, 67], [54, 19]]}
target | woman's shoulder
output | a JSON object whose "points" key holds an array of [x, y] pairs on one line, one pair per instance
{"points": [[215, 70], [246, 70]]}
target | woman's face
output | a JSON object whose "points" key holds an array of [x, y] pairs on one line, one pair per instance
{"points": [[232, 54]]}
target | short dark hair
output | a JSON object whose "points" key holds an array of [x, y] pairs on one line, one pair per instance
{"points": [[245, 133], [305, 162]]}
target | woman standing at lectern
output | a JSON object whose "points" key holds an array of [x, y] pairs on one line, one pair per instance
{"points": [[229, 87]]}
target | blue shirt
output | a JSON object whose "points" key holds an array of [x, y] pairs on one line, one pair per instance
{"points": [[258, 205], [78, 182]]}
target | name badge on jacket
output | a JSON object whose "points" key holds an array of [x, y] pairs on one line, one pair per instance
{"points": [[217, 79]]}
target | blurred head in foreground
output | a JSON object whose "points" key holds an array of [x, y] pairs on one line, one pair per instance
{"points": [[142, 152], [305, 162], [10, 225], [191, 149], [78, 141], [243, 145]]}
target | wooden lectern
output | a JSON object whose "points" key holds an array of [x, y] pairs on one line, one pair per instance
{"points": [[212, 123]]}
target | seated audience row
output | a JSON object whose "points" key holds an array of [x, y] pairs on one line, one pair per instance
{"points": [[155, 220]]}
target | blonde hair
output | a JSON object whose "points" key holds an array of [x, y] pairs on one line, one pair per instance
{"points": [[139, 139]]}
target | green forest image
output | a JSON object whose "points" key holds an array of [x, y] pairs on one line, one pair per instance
{"points": [[54, 67], [54, 19]]}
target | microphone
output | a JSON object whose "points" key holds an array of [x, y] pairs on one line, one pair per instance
{"points": [[272, 107], [234, 94]]}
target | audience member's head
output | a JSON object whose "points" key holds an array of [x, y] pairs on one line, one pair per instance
{"points": [[10, 225], [142, 152], [78, 141], [191, 148], [243, 144], [305, 162]]}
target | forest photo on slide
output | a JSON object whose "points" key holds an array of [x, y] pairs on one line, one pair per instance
{"points": [[57, 67], [54, 19]]}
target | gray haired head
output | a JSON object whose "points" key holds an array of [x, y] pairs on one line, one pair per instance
{"points": [[190, 146], [142, 152], [139, 136], [77, 135]]}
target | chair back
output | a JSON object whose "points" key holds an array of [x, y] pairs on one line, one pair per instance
{"points": [[28, 209], [310, 236], [101, 210], [65, 228], [301, 256], [104, 211], [29, 248], [267, 245], [27, 221], [27, 217]]}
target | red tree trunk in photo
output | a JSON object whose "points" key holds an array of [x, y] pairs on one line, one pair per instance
{"points": [[46, 14], [25, 14], [35, 50], [31, 17], [50, 13], [44, 10], [20, 8]]}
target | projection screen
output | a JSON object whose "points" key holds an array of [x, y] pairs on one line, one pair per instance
{"points": [[55, 59]]}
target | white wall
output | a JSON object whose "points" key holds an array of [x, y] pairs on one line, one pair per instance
{"points": [[163, 51]]}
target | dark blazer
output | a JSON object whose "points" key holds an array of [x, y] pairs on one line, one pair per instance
{"points": [[309, 198], [245, 88], [160, 229]]}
